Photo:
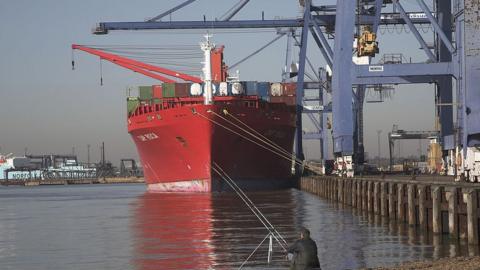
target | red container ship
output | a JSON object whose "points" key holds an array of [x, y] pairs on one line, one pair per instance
{"points": [[181, 129]]}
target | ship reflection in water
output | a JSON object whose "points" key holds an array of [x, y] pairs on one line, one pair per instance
{"points": [[216, 231], [174, 231], [206, 231]]}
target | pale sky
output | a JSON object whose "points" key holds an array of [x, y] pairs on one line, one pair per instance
{"points": [[48, 108]]}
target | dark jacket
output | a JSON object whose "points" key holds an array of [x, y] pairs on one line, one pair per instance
{"points": [[304, 254]]}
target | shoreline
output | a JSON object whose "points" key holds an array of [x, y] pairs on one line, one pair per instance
{"points": [[92, 181], [453, 263]]}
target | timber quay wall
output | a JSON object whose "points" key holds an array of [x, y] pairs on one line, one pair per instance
{"points": [[440, 207]]}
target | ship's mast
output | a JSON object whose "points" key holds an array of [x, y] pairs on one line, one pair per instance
{"points": [[207, 47]]}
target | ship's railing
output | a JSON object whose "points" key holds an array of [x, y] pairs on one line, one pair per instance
{"points": [[170, 103]]}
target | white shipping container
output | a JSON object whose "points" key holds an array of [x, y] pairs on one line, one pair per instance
{"points": [[195, 89], [223, 91], [237, 88], [276, 90]]}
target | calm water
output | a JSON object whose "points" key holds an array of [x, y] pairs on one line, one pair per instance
{"points": [[125, 227]]}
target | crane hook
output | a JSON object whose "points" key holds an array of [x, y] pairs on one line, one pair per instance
{"points": [[73, 62], [101, 73]]}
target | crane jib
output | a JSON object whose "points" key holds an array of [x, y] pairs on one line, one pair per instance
{"points": [[137, 66]]}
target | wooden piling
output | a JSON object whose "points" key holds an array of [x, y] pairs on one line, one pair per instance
{"points": [[436, 218], [400, 202], [421, 206], [470, 197], [398, 199], [411, 204]]}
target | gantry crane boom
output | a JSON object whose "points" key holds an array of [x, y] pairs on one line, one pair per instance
{"points": [[137, 66]]}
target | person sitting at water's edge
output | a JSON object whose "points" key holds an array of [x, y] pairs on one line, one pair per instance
{"points": [[304, 252]]}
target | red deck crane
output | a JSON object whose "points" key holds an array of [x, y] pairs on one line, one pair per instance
{"points": [[137, 66]]}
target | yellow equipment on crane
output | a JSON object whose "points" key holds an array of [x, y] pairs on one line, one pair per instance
{"points": [[367, 44]]}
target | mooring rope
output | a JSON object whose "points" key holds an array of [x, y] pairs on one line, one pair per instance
{"points": [[253, 252], [288, 157], [243, 136], [256, 134], [272, 231], [249, 203]]}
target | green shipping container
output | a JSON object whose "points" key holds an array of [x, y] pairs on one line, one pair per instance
{"points": [[157, 101], [132, 104], [168, 90], [145, 92]]}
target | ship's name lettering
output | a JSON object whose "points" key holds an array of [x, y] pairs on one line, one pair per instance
{"points": [[147, 137]]}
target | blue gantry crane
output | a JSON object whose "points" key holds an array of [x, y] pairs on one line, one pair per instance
{"points": [[455, 56]]}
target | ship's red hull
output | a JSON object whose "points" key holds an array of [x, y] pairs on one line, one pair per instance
{"points": [[178, 145]]}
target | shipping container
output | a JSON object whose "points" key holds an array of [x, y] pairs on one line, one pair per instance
{"points": [[196, 89], [182, 89], [204, 87], [263, 89], [289, 89], [168, 90], [250, 88], [237, 88], [145, 92], [157, 91], [229, 89], [276, 90], [132, 105], [216, 89], [397, 168], [223, 89]]}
